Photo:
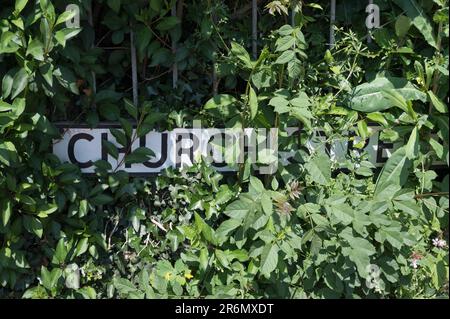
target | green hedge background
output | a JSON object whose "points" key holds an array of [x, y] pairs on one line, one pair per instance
{"points": [[308, 231]]}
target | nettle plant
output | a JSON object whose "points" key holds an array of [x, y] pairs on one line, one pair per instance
{"points": [[317, 228]]}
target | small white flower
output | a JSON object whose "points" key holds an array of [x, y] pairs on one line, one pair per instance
{"points": [[439, 243], [414, 263]]}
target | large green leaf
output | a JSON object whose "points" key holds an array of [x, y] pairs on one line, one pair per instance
{"points": [[222, 106], [319, 168], [393, 175], [369, 97], [419, 19]]}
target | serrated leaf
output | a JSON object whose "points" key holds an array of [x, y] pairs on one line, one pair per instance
{"points": [[285, 57]]}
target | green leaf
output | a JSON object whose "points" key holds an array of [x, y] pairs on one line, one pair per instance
{"points": [[82, 246], [368, 97], [61, 252], [393, 175], [7, 84], [33, 225], [131, 108], [36, 49], [227, 227], [319, 169], [206, 230], [269, 259], [139, 155], [222, 106], [66, 34], [20, 82], [342, 212], [111, 148], [412, 147], [239, 52], [83, 208], [253, 103], [101, 199], [378, 118], [437, 103], [8, 153], [50, 279], [237, 209], [419, 19], [124, 286], [20, 5], [167, 23], [119, 136], [65, 16], [115, 5], [402, 25], [439, 274], [6, 211], [284, 43], [203, 259], [285, 57], [392, 235], [409, 207]]}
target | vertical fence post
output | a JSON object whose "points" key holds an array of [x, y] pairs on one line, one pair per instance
{"points": [[255, 29], [134, 76], [174, 51], [332, 22], [91, 23], [293, 14]]}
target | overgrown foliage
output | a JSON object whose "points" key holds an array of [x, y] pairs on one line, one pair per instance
{"points": [[317, 228]]}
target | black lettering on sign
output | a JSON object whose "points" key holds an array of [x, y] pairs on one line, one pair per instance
{"points": [[164, 147], [382, 146], [71, 149]]}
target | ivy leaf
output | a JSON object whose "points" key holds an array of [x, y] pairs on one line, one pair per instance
{"points": [[205, 229], [269, 259], [50, 279]]}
